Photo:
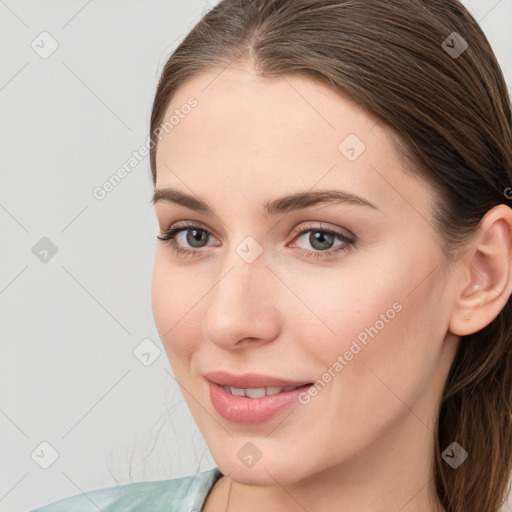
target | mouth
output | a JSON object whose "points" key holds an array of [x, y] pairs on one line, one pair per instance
{"points": [[261, 392], [257, 404]]}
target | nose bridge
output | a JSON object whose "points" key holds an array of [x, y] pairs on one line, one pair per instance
{"points": [[239, 303], [242, 278]]}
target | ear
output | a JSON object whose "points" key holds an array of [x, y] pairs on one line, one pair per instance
{"points": [[485, 282]]}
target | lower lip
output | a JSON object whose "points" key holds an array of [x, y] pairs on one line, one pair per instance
{"points": [[240, 409]]}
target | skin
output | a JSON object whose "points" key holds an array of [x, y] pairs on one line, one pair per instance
{"points": [[365, 442]]}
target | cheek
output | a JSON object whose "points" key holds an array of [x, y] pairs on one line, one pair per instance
{"points": [[341, 305], [351, 318], [387, 346], [173, 299], [377, 315]]}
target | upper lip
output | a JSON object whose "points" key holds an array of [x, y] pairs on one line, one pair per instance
{"points": [[251, 380]]}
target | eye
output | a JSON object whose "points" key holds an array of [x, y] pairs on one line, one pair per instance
{"points": [[190, 239], [322, 240], [192, 234]]}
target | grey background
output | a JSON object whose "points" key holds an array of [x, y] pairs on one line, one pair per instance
{"points": [[69, 325]]}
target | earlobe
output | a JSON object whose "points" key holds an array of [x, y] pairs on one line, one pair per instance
{"points": [[486, 270]]}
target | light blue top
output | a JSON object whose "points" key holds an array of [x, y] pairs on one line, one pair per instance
{"points": [[184, 494]]}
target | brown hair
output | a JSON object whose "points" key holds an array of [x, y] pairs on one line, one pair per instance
{"points": [[451, 116]]}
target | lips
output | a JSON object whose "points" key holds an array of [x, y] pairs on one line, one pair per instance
{"points": [[252, 398], [252, 380]]}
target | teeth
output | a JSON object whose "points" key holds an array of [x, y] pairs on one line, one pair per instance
{"points": [[255, 392], [236, 391], [275, 389], [258, 392]]}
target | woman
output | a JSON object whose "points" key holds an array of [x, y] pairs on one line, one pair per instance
{"points": [[333, 275]]}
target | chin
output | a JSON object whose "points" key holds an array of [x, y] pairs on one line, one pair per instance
{"points": [[264, 473]]}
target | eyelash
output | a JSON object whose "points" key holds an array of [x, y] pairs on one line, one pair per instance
{"points": [[348, 241]]}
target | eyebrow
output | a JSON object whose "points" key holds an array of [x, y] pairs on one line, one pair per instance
{"points": [[296, 201]]}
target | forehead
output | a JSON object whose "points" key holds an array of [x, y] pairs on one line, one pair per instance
{"points": [[239, 106], [277, 133]]}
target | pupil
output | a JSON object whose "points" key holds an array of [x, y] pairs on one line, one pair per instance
{"points": [[193, 239], [318, 239]]}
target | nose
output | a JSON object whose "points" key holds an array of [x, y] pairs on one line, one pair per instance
{"points": [[242, 306]]}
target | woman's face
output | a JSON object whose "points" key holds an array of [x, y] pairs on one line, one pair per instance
{"points": [[352, 294]]}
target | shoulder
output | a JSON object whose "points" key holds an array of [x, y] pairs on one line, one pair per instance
{"points": [[174, 495]]}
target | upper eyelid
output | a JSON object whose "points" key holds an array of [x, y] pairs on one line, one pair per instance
{"points": [[302, 228]]}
